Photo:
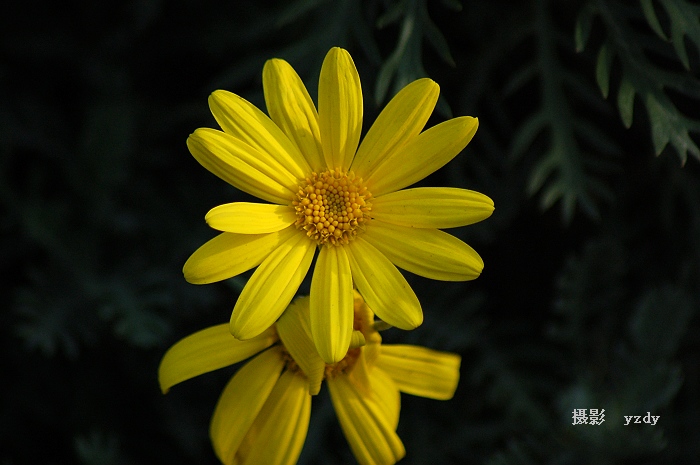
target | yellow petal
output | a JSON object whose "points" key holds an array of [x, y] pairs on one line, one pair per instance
{"points": [[383, 287], [331, 304], [294, 330], [292, 109], [279, 431], [364, 317], [432, 207], [421, 371], [242, 166], [250, 218], [241, 401], [272, 286], [357, 340], [387, 394], [430, 253], [208, 350], [339, 108], [244, 121], [422, 155], [359, 375], [403, 119], [228, 255], [368, 427]]}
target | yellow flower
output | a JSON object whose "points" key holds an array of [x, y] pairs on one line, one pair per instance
{"points": [[263, 413], [328, 194]]}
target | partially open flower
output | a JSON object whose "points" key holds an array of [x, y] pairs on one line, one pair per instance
{"points": [[263, 413]]}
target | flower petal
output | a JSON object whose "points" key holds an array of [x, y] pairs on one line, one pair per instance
{"points": [[250, 218], [368, 427], [241, 401], [279, 431], [294, 330], [272, 286], [422, 155], [401, 120], [228, 255], [388, 395], [432, 207], [242, 166], [421, 371], [331, 304], [208, 350], [292, 109], [339, 108], [430, 253], [246, 122], [364, 316], [383, 287]]}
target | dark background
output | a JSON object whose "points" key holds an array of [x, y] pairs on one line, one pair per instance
{"points": [[588, 116]]}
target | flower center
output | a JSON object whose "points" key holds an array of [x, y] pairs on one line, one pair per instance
{"points": [[343, 366], [332, 206], [329, 371], [346, 364]]}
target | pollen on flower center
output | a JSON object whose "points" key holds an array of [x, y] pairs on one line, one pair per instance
{"points": [[332, 206], [343, 366], [329, 371]]}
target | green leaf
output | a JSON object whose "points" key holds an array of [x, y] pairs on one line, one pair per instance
{"points": [[405, 63], [668, 126], [384, 77], [437, 40], [526, 134], [582, 30], [625, 102], [603, 67], [391, 66], [661, 127], [539, 176], [684, 18], [685, 23], [392, 15], [520, 78], [652, 18], [551, 195]]}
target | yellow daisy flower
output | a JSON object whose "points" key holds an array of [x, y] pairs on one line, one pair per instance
{"points": [[327, 193], [263, 413]]}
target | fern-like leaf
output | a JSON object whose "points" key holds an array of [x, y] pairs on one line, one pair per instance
{"points": [[565, 172], [643, 78], [405, 64], [684, 21]]}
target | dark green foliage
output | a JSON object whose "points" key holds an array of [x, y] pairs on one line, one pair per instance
{"points": [[405, 63], [589, 305], [98, 449], [570, 167], [647, 66]]}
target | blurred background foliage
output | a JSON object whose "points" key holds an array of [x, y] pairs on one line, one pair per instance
{"points": [[589, 120]]}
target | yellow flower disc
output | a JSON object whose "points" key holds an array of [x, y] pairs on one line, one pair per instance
{"points": [[344, 366], [332, 206]]}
